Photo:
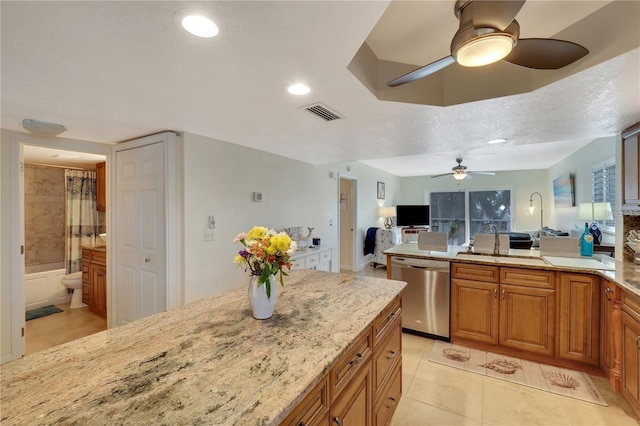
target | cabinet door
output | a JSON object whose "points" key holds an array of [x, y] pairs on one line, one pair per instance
{"points": [[630, 360], [101, 187], [579, 322], [527, 318], [353, 407], [474, 310], [606, 326], [98, 290], [631, 156]]}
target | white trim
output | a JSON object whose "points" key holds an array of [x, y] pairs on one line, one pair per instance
{"points": [[17, 142]]}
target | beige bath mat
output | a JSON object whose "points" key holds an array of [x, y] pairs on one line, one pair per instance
{"points": [[561, 381]]}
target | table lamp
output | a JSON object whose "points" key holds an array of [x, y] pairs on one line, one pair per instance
{"points": [[388, 213]]}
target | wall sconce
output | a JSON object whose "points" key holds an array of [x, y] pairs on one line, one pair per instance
{"points": [[532, 208], [388, 213], [593, 212]]}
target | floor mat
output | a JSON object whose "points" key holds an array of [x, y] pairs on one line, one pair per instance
{"points": [[560, 381], [42, 312]]}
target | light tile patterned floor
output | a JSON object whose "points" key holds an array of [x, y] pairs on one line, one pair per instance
{"points": [[432, 394]]}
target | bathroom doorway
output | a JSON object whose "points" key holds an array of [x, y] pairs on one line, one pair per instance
{"points": [[46, 253]]}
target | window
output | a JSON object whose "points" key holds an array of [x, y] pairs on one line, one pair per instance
{"points": [[603, 183], [464, 214]]}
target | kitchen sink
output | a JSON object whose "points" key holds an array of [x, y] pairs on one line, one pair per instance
{"points": [[511, 260]]}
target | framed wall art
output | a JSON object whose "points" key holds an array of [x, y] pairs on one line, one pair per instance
{"points": [[564, 191], [380, 190]]}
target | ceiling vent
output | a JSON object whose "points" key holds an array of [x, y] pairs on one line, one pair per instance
{"points": [[323, 112]]}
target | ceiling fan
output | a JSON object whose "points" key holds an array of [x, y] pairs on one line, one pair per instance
{"points": [[460, 172], [488, 32]]}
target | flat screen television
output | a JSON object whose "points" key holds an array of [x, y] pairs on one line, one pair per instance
{"points": [[412, 216]]}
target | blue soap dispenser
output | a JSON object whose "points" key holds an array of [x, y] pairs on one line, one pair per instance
{"points": [[586, 242]]}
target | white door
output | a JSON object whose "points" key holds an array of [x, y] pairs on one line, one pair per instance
{"points": [[140, 244], [347, 209]]}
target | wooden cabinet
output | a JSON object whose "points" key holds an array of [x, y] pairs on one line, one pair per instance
{"points": [[365, 385], [94, 280], [610, 313], [579, 318], [474, 310], [630, 352], [631, 168], [527, 318], [101, 187], [510, 307]]}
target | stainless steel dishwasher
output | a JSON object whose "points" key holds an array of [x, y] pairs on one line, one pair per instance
{"points": [[425, 303]]}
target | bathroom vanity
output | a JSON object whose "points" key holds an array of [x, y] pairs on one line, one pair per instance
{"points": [[330, 354], [94, 279]]}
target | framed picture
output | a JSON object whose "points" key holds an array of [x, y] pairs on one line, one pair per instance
{"points": [[380, 190], [564, 191]]}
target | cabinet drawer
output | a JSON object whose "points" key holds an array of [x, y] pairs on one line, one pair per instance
{"points": [[99, 257], [490, 274], [385, 357], [631, 305], [314, 408], [325, 256], [349, 364], [528, 277], [86, 255], [388, 401], [297, 263], [312, 261], [386, 320]]}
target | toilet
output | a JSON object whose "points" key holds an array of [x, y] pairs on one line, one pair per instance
{"points": [[74, 281]]}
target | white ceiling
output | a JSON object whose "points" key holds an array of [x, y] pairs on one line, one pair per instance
{"points": [[111, 71]]}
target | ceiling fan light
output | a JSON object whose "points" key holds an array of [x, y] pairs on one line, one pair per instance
{"points": [[484, 50], [459, 176]]}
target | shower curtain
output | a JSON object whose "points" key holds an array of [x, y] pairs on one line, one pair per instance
{"points": [[81, 215]]}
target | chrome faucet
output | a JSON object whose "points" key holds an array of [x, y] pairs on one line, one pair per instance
{"points": [[496, 244]]}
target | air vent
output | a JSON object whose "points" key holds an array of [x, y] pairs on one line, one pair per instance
{"points": [[323, 112]]}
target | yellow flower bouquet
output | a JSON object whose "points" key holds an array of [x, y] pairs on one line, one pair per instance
{"points": [[265, 253]]}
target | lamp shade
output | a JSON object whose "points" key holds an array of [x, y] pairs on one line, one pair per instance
{"points": [[387, 212], [595, 211]]}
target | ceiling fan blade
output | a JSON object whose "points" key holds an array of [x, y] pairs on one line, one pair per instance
{"points": [[441, 176], [483, 173], [422, 71], [545, 53], [494, 13]]}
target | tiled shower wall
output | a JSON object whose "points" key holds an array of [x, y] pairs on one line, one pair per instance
{"points": [[630, 222], [43, 215]]}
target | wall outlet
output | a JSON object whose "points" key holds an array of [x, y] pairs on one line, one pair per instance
{"points": [[209, 235]]}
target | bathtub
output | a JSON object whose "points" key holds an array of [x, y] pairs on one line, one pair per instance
{"points": [[43, 286]]}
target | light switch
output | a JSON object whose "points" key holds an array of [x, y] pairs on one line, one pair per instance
{"points": [[209, 235]]}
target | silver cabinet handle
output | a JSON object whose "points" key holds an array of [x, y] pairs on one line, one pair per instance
{"points": [[503, 293], [393, 402], [495, 293], [355, 361], [607, 292], [337, 421], [392, 355], [637, 338]]}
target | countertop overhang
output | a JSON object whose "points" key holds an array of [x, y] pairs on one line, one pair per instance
{"points": [[208, 362]]}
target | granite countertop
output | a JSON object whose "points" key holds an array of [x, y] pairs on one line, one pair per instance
{"points": [[624, 273], [208, 362]]}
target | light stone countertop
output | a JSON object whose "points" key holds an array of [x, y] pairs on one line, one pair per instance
{"points": [[625, 274], [208, 362]]}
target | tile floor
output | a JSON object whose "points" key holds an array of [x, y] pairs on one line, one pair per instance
{"points": [[45, 332], [432, 394]]}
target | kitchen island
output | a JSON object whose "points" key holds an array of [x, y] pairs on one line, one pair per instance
{"points": [[209, 362]]}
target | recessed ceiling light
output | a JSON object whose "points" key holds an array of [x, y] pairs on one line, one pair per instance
{"points": [[496, 141], [199, 24], [299, 89]]}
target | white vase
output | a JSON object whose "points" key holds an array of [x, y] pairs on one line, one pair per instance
{"points": [[261, 305]]}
